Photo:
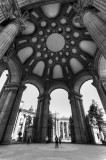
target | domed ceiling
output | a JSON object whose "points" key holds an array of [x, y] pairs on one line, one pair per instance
{"points": [[54, 44]]}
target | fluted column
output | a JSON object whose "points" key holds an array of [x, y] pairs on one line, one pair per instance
{"points": [[98, 84], [23, 127], [80, 130], [45, 115], [97, 30], [10, 110], [7, 36], [100, 5]]}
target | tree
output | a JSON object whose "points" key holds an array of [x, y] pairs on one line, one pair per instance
{"points": [[50, 126], [95, 115]]}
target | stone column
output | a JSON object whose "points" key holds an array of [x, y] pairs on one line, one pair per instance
{"points": [[23, 126], [9, 111], [100, 5], [7, 36], [59, 128], [63, 131], [98, 85], [78, 117], [102, 16], [97, 30], [42, 116], [45, 115]]}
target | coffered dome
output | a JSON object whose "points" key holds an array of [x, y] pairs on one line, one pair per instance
{"points": [[54, 44]]}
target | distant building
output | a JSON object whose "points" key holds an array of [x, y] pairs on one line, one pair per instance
{"points": [[21, 121], [61, 128]]}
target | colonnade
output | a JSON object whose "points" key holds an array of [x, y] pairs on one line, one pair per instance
{"points": [[95, 22], [61, 128]]}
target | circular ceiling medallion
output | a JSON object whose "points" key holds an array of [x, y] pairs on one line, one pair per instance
{"points": [[55, 42]]}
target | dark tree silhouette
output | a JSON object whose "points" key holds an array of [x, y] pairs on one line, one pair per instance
{"points": [[95, 115], [50, 126]]}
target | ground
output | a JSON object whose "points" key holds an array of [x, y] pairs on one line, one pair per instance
{"points": [[49, 152]]}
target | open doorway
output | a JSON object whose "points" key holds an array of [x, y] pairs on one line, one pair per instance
{"points": [[61, 113]]}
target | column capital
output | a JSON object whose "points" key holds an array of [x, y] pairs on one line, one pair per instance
{"points": [[43, 96], [10, 8], [11, 87]]}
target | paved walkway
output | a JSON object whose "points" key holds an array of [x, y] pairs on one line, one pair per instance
{"points": [[49, 152]]}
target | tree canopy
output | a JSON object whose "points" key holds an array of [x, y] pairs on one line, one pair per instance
{"points": [[95, 115]]}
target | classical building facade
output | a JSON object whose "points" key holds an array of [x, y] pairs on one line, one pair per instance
{"points": [[21, 124], [51, 44], [61, 128]]}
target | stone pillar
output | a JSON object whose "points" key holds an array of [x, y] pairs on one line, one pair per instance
{"points": [[63, 130], [42, 116], [100, 5], [9, 111], [98, 85], [67, 130], [7, 36], [2, 16], [78, 117], [97, 30], [23, 126], [102, 16], [59, 128]]}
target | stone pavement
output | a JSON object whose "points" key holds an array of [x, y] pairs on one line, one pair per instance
{"points": [[49, 152]]}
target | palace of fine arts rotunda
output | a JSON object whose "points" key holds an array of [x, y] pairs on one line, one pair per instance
{"points": [[51, 44]]}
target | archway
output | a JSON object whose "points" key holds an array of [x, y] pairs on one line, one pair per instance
{"points": [[26, 115], [86, 89], [61, 113], [91, 97]]}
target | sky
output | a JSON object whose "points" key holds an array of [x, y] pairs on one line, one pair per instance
{"points": [[59, 98]]}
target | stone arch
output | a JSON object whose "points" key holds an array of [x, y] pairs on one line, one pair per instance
{"points": [[15, 70], [36, 82], [83, 77], [58, 86]]}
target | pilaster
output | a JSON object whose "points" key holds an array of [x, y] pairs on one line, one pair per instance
{"points": [[100, 5]]}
